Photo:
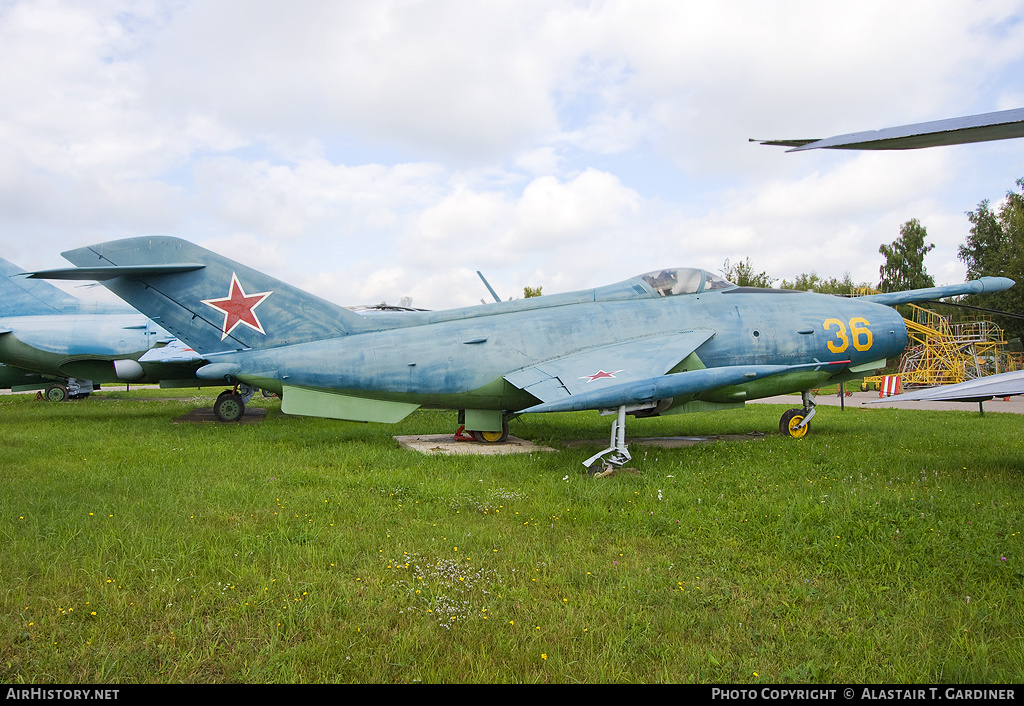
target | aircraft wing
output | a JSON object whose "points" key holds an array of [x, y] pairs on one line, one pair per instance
{"points": [[1001, 125], [978, 390], [676, 384], [633, 372], [589, 370]]}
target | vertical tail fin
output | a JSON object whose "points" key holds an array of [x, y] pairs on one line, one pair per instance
{"points": [[23, 297], [213, 303]]}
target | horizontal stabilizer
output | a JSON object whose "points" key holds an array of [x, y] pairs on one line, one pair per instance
{"points": [[103, 274], [977, 286]]}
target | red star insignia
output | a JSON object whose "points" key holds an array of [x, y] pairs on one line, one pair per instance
{"points": [[599, 374], [238, 308]]}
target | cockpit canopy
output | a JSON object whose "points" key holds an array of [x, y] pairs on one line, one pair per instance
{"points": [[684, 280]]}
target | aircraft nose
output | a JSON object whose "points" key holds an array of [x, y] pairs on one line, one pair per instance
{"points": [[895, 333]]}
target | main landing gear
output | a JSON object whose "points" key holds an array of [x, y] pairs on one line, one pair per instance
{"points": [[484, 437], [230, 404], [55, 392], [74, 389], [797, 422]]}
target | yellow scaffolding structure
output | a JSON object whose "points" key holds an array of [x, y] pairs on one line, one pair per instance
{"points": [[940, 352]]}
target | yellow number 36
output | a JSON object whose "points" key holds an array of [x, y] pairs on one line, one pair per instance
{"points": [[862, 338]]}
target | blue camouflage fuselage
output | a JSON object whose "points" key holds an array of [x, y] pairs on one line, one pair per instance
{"points": [[668, 341], [432, 356]]}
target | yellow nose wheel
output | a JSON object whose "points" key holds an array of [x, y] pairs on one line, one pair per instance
{"points": [[790, 424], [796, 423]]}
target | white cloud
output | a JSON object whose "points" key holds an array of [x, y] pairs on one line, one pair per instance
{"points": [[364, 148], [460, 78], [313, 198], [549, 218]]}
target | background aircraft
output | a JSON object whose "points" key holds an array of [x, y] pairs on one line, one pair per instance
{"points": [[673, 341], [1001, 125], [50, 339], [19, 379], [978, 390]]}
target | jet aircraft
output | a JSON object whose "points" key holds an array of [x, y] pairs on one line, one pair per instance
{"points": [[666, 342], [1001, 125], [53, 341], [19, 379]]}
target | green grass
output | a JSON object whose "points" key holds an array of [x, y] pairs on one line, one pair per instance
{"points": [[885, 547]]}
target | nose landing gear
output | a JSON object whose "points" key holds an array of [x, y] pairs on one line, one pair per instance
{"points": [[797, 422]]}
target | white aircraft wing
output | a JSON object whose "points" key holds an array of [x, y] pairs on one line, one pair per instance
{"points": [[1001, 125], [978, 390]]}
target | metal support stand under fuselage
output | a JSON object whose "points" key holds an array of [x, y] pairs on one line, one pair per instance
{"points": [[619, 453]]}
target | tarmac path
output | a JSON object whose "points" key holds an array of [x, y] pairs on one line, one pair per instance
{"points": [[870, 400]]}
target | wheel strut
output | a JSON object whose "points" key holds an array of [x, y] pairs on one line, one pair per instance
{"points": [[617, 453]]}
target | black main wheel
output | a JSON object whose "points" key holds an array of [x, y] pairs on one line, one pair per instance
{"points": [[56, 393], [228, 407], [788, 425]]}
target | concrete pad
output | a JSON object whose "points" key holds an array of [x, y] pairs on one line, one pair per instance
{"points": [[446, 444], [253, 415]]}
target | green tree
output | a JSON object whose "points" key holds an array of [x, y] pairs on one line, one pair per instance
{"points": [[995, 247], [904, 260], [742, 273], [982, 253], [833, 285], [529, 291]]}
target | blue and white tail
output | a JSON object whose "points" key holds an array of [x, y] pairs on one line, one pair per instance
{"points": [[209, 301], [23, 297]]}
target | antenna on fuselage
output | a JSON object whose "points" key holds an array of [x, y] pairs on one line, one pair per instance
{"points": [[489, 289]]}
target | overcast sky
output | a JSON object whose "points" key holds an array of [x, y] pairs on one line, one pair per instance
{"points": [[367, 151]]}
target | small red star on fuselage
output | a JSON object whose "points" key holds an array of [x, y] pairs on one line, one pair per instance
{"points": [[238, 308], [598, 375]]}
